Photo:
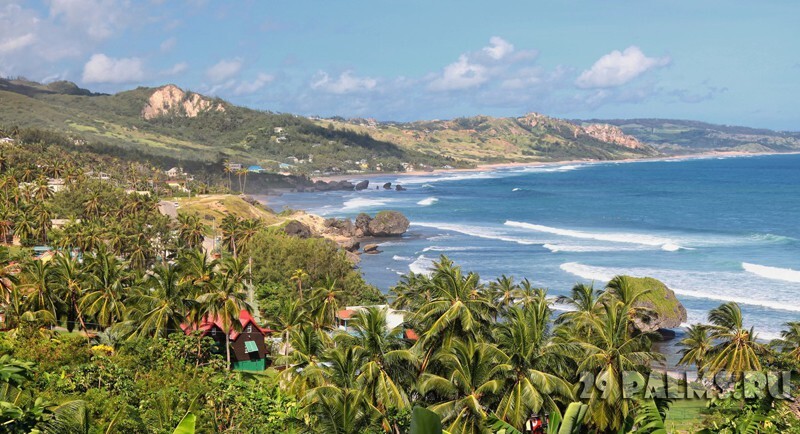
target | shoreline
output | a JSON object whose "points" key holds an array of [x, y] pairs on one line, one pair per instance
{"points": [[533, 164]]}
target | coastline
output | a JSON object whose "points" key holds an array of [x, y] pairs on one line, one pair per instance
{"points": [[534, 164]]}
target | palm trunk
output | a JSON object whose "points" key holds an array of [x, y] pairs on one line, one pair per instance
{"points": [[228, 348]]}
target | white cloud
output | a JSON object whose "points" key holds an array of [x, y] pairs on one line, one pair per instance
{"points": [[168, 44], [224, 70], [617, 68], [461, 74], [498, 48], [100, 19], [252, 86], [15, 43], [103, 69], [176, 69], [346, 83]]}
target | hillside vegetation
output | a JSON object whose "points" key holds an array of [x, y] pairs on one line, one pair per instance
{"points": [[480, 139], [188, 127], [681, 136]]}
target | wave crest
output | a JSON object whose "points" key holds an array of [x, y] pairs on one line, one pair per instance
{"points": [[775, 273]]}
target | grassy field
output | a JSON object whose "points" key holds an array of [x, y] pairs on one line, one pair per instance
{"points": [[685, 415], [213, 208]]}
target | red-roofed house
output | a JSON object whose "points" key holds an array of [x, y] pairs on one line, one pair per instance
{"points": [[248, 347]]}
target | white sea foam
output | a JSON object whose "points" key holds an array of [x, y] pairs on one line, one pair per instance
{"points": [[775, 273], [476, 231], [449, 248], [402, 258], [718, 286], [422, 265], [516, 189], [428, 201], [446, 177], [666, 244], [364, 202], [585, 249]]}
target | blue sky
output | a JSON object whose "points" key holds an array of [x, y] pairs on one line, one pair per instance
{"points": [[732, 62]]}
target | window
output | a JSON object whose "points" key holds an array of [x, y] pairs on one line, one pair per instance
{"points": [[214, 331], [250, 346], [249, 329]]}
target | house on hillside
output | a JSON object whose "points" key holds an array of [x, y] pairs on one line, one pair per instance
{"points": [[255, 169], [248, 344], [394, 318], [175, 172], [56, 184]]}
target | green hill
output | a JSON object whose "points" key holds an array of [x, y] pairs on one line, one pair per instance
{"points": [[677, 136], [480, 139], [190, 127]]}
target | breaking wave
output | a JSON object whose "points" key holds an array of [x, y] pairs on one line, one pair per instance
{"points": [[428, 201], [775, 273]]}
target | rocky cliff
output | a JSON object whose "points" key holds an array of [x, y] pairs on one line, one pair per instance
{"points": [[611, 134], [172, 100]]}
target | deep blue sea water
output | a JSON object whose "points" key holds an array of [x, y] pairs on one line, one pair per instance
{"points": [[713, 229]]}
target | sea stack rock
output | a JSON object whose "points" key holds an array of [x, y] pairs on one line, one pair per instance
{"points": [[371, 249], [399, 187], [387, 186], [388, 224], [665, 310], [362, 185]]}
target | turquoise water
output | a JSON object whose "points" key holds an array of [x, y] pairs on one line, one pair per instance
{"points": [[713, 229]]}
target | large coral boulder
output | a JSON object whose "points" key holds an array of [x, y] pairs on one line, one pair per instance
{"points": [[388, 224]]}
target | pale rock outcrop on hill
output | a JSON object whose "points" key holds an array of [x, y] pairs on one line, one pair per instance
{"points": [[171, 100], [612, 134]]}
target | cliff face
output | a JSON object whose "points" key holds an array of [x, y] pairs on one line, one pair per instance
{"points": [[612, 134], [171, 100]]}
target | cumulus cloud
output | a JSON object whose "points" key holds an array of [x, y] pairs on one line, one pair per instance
{"points": [[347, 82], [619, 67], [15, 43], [224, 70], [248, 87], [103, 69], [462, 74], [498, 48]]}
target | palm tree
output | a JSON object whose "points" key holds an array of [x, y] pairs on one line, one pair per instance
{"points": [[536, 365], [325, 302], [387, 366], [298, 276], [8, 275], [303, 372], [474, 376], [610, 348], [790, 340], [697, 345], [341, 406], [503, 291], [197, 269], [108, 280], [39, 287], [411, 292], [231, 230], [737, 350], [191, 230], [291, 315], [226, 299], [69, 278], [227, 169], [162, 306], [458, 308]]}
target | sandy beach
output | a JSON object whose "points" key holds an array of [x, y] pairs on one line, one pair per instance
{"points": [[510, 165]]}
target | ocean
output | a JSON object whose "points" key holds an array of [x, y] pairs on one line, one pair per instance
{"points": [[713, 229]]}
